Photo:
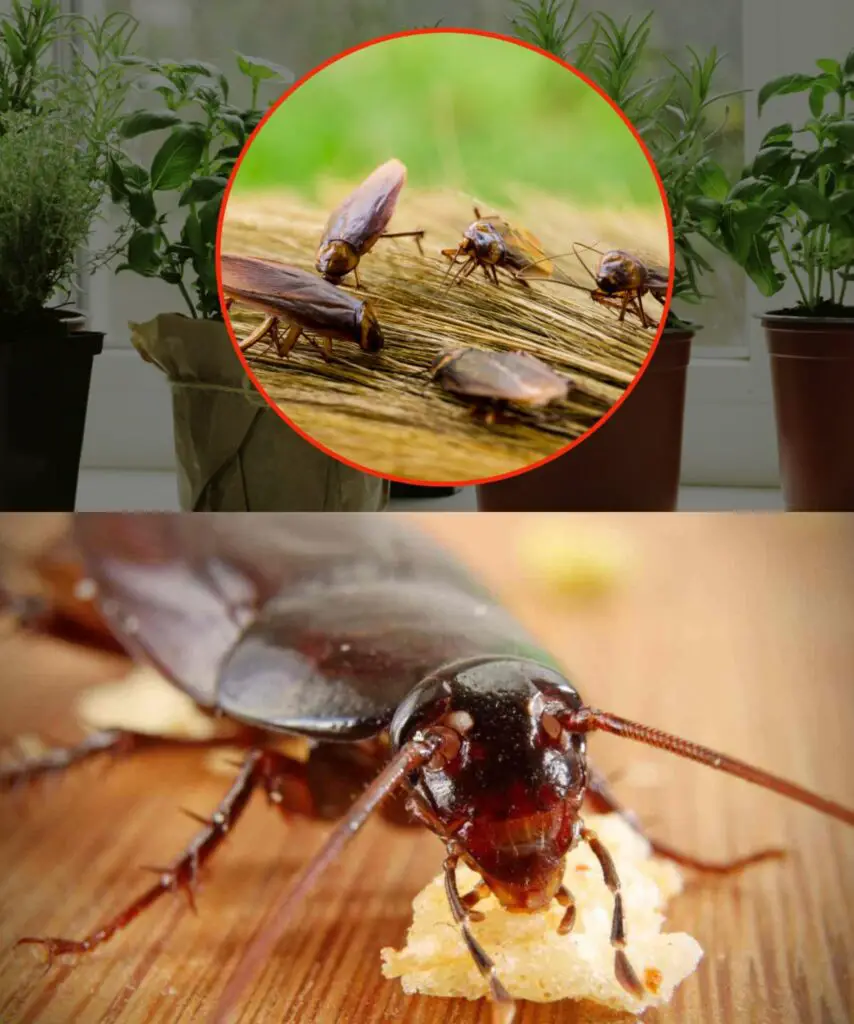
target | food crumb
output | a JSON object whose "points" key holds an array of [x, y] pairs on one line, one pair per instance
{"points": [[572, 561], [533, 961]]}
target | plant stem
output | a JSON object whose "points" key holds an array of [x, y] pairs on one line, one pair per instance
{"points": [[186, 294], [784, 252]]}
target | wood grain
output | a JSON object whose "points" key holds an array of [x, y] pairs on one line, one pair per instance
{"points": [[381, 411], [735, 631]]}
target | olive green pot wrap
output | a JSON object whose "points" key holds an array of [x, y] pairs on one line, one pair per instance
{"points": [[233, 452]]}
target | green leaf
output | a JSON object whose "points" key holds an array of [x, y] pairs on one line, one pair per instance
{"points": [[706, 210], [840, 252], [830, 67], [148, 121], [13, 44], [784, 85], [779, 135], [179, 157], [234, 123], [115, 179], [142, 208], [742, 223], [817, 96], [202, 189], [842, 203], [843, 131], [209, 218], [192, 233], [258, 69], [761, 270], [142, 252], [775, 162], [193, 67], [848, 67], [808, 198], [711, 180], [747, 189]]}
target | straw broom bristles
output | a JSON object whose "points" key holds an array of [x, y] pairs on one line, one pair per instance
{"points": [[381, 411]]}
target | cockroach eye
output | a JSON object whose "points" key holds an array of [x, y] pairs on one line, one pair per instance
{"points": [[551, 726], [447, 752]]}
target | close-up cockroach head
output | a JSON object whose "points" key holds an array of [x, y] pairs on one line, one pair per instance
{"points": [[335, 259], [482, 239], [506, 783], [372, 339]]}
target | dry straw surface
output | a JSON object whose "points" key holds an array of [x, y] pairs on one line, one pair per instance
{"points": [[381, 411]]}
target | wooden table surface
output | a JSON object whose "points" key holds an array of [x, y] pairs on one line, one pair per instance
{"points": [[735, 631]]}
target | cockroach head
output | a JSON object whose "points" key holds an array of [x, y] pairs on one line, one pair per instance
{"points": [[335, 259], [485, 242], [507, 781], [372, 339]]}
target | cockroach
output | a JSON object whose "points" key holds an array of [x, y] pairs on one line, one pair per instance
{"points": [[360, 222], [309, 303], [492, 380], [377, 647], [621, 282], [490, 243]]}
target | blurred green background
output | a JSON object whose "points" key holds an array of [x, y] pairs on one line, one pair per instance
{"points": [[461, 111]]}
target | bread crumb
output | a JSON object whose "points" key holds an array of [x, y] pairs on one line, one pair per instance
{"points": [[532, 960], [143, 701], [571, 561]]}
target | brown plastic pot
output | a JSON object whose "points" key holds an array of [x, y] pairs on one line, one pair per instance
{"points": [[630, 463], [812, 371]]}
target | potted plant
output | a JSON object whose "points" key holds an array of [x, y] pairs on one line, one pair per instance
{"points": [[57, 126], [632, 461], [789, 220], [233, 451]]}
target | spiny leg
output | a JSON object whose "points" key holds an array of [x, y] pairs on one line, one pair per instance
{"points": [[324, 347], [269, 326], [417, 235], [356, 277], [112, 742], [284, 345], [623, 970], [462, 916], [260, 767], [603, 801], [567, 900]]}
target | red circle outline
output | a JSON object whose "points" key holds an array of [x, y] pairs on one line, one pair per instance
{"points": [[446, 31]]}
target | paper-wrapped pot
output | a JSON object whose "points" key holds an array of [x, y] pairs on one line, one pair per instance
{"points": [[233, 452]]}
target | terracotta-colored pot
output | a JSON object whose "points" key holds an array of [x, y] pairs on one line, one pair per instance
{"points": [[812, 370], [629, 464]]}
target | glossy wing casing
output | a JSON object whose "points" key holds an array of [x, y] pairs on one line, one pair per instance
{"points": [[314, 624], [296, 295], [365, 213], [511, 376]]}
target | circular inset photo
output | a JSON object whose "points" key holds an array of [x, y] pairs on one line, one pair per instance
{"points": [[445, 257]]}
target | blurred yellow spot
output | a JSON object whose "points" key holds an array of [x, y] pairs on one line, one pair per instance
{"points": [[565, 559]]}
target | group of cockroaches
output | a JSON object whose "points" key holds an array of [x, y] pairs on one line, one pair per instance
{"points": [[421, 697], [316, 306]]}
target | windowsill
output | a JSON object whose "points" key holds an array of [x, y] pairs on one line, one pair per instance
{"points": [[139, 491]]}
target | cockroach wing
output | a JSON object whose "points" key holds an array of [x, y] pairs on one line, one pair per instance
{"points": [[524, 250], [335, 661], [281, 290], [178, 590], [366, 212], [515, 377]]}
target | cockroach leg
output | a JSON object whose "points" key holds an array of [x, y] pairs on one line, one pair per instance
{"points": [[623, 970], [416, 235], [269, 326], [260, 767], [356, 277], [284, 345], [411, 757], [228, 304], [495, 277], [112, 742], [471, 899], [603, 801], [565, 899], [462, 916]]}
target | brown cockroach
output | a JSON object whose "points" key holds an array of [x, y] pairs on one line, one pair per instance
{"points": [[493, 380], [621, 281], [360, 222], [408, 680], [492, 244], [308, 303]]}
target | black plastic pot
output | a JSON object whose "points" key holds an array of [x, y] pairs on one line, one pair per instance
{"points": [[408, 491], [45, 371], [630, 463], [812, 369]]}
